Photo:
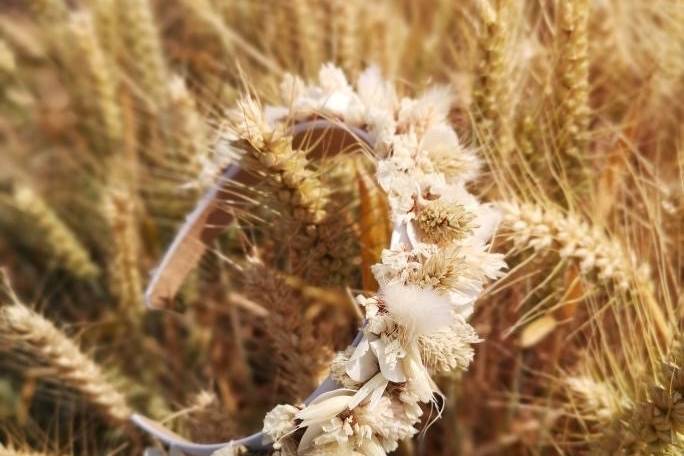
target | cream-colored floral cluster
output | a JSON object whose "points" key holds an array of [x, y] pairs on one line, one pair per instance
{"points": [[429, 277]]}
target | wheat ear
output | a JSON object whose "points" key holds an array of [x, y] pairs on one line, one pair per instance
{"points": [[653, 425], [572, 89], [100, 72], [548, 229], [57, 238], [51, 10], [26, 330], [492, 91], [291, 336], [345, 24], [10, 451], [124, 271], [145, 49]]}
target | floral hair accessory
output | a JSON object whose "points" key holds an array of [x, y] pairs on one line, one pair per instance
{"points": [[429, 277]]}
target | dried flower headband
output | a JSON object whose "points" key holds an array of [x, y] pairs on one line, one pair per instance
{"points": [[429, 277]]}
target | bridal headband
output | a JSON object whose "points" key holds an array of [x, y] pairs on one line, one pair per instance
{"points": [[429, 277]]}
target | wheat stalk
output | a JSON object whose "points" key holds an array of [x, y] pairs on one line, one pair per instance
{"points": [[548, 229], [145, 49], [100, 72], [492, 92], [300, 357], [57, 238], [571, 90], [24, 329], [192, 135], [345, 25], [124, 271]]}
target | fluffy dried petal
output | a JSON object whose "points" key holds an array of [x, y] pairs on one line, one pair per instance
{"points": [[420, 311]]}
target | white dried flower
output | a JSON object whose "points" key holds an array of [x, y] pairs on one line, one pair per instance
{"points": [[420, 311], [280, 421], [432, 108]]}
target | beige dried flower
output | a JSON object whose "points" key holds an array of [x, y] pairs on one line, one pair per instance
{"points": [[441, 223], [440, 270], [449, 350]]}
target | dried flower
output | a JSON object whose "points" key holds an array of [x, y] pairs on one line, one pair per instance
{"points": [[442, 223], [419, 311]]}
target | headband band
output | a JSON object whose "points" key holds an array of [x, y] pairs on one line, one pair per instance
{"points": [[429, 278]]}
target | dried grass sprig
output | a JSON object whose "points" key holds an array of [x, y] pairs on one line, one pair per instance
{"points": [[23, 329], [443, 223], [56, 237]]}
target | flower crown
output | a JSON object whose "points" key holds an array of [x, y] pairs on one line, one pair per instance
{"points": [[429, 278]]}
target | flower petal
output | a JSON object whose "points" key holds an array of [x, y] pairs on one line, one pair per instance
{"points": [[362, 365], [391, 371]]}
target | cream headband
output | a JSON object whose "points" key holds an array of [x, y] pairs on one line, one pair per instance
{"points": [[430, 276]]}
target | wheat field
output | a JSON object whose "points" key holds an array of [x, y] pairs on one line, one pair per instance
{"points": [[112, 127]]}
